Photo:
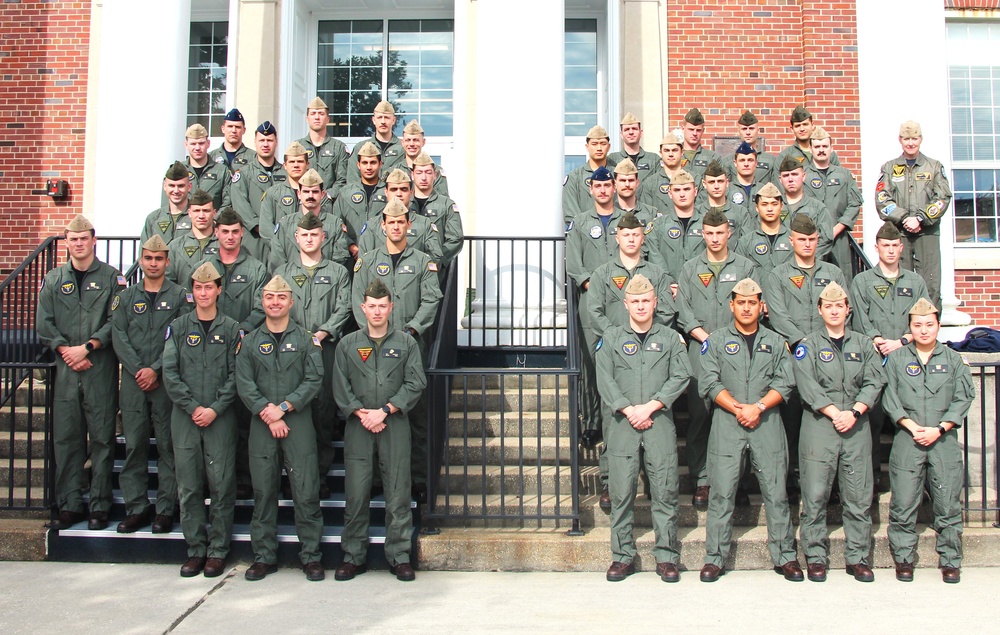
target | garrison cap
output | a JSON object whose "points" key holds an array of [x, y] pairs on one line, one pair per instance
{"points": [[267, 128], [176, 172], [745, 148], [923, 306], [714, 169], [155, 244], [295, 149], [670, 139], [195, 131], [311, 178], [747, 286], [395, 208], [422, 159], [413, 127], [369, 149], [310, 221], [629, 119], [200, 197], [598, 132], [833, 292], [747, 118], [910, 129], [205, 273], [638, 285], [601, 174], [385, 107], [818, 134], [397, 176], [277, 284], [802, 224], [694, 117], [377, 290], [625, 166], [234, 115], [768, 191], [317, 103], [888, 231], [229, 216], [682, 178], [788, 164], [80, 223], [629, 221], [800, 114], [715, 218]]}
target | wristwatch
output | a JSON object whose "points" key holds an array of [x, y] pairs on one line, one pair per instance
{"points": [[284, 406], [857, 415], [904, 341], [386, 409], [941, 429], [89, 346], [760, 404]]}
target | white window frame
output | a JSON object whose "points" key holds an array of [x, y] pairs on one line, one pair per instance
{"points": [[202, 14], [575, 145]]}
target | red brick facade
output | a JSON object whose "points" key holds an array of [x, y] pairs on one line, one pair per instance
{"points": [[979, 290], [43, 112]]}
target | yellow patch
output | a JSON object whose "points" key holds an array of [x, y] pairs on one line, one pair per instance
{"points": [[365, 353], [706, 278], [619, 281], [797, 280]]}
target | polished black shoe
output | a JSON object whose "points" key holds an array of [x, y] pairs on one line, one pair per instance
{"points": [[861, 572], [791, 570], [314, 571], [133, 522], [244, 492], [163, 524], [214, 567], [259, 571], [711, 573], [605, 501], [193, 566], [668, 572], [348, 570], [904, 571], [742, 498], [324, 491], [403, 572], [700, 498], [951, 575], [816, 571], [98, 521], [590, 438], [67, 519], [618, 571]]}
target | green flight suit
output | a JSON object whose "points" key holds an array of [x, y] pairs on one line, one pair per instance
{"points": [[423, 235], [743, 209], [186, 253], [248, 187], [803, 156], [332, 160], [199, 369], [654, 190], [358, 209], [673, 244], [703, 301], [766, 253], [940, 390], [322, 302], [215, 179], [827, 374], [284, 249], [766, 171], [278, 201], [919, 191], [443, 212], [695, 163], [646, 163], [815, 210], [726, 364], [633, 371], [242, 289], [85, 403], [836, 188], [738, 218], [416, 294], [168, 226], [138, 326], [576, 198], [370, 375], [240, 158], [273, 370], [393, 156]]}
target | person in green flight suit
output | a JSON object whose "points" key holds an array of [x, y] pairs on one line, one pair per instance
{"points": [[836, 188], [327, 155], [233, 152], [696, 158], [172, 219], [577, 197], [390, 147], [839, 376], [188, 249], [260, 173], [74, 320], [642, 368], [205, 174], [646, 163], [279, 370], [378, 380]]}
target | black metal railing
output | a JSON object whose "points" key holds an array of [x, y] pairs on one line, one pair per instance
{"points": [[979, 440], [502, 386], [859, 261]]}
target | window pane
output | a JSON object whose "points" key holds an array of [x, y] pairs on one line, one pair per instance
{"points": [[963, 180], [581, 91], [982, 148], [986, 230], [207, 74], [961, 148], [984, 180], [965, 230]]}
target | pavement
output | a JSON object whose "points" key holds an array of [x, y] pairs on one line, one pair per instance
{"points": [[143, 598]]}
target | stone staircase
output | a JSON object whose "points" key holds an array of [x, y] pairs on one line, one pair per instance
{"points": [[484, 424]]}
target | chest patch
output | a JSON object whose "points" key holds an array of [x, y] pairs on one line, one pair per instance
{"points": [[852, 357], [266, 348], [913, 369], [630, 348], [619, 281], [140, 307], [732, 348], [760, 248], [67, 288], [596, 231], [193, 339], [382, 269], [882, 290], [816, 183], [674, 233], [706, 278], [365, 353], [797, 280], [826, 355]]}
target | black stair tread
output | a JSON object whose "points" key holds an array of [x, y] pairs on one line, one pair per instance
{"points": [[336, 500], [241, 533], [336, 469], [120, 438]]}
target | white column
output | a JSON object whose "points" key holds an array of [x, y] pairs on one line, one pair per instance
{"points": [[893, 91], [141, 109], [518, 97]]}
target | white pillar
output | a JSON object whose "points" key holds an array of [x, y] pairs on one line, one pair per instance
{"points": [[518, 99], [141, 109], [893, 91]]}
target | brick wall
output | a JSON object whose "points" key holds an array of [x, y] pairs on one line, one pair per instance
{"points": [[972, 4], [768, 57], [979, 291], [43, 91]]}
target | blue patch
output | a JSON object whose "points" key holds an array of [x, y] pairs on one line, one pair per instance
{"points": [[600, 343], [596, 231], [664, 188], [67, 288], [889, 209], [704, 347], [732, 348], [266, 348], [363, 228], [760, 248], [630, 348], [382, 269], [193, 339], [826, 355], [800, 351], [674, 233], [168, 333], [816, 183], [738, 198], [357, 197], [913, 369], [569, 226]]}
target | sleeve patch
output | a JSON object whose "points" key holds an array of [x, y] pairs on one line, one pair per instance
{"points": [[168, 333], [115, 303], [357, 265], [800, 351], [432, 266], [704, 347]]}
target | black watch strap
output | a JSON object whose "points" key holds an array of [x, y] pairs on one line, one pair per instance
{"points": [[386, 409], [857, 415]]}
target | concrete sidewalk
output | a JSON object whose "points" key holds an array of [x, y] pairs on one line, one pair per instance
{"points": [[123, 598]]}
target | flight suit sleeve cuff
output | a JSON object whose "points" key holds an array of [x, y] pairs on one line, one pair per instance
{"points": [[715, 392], [954, 417], [619, 404], [56, 343]]}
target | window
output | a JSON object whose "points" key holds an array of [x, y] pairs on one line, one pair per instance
{"points": [[417, 75], [207, 66], [581, 77], [975, 205]]}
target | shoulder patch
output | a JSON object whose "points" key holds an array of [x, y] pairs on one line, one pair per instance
{"points": [[115, 303], [432, 266], [569, 226], [236, 177], [168, 333], [357, 265], [121, 281], [704, 347], [800, 351]]}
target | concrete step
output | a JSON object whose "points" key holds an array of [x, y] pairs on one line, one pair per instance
{"points": [[22, 539], [22, 418], [21, 444], [510, 382], [533, 549], [508, 450], [30, 392], [494, 424], [23, 473], [527, 400], [20, 497], [508, 480]]}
